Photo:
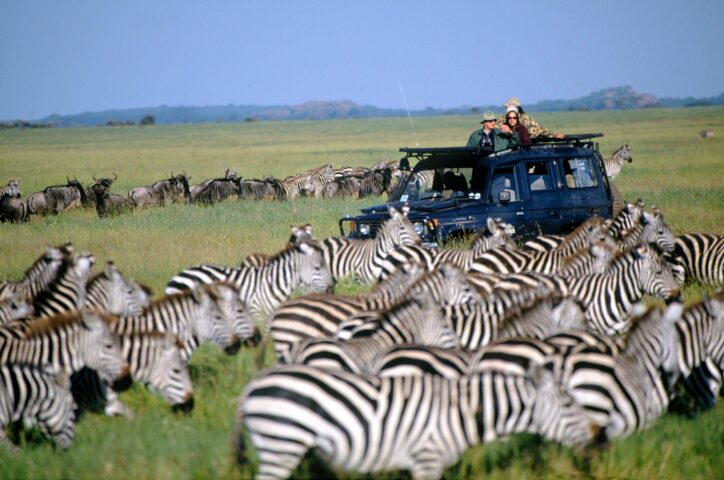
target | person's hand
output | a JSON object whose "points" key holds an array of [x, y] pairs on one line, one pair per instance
{"points": [[559, 135], [506, 129]]}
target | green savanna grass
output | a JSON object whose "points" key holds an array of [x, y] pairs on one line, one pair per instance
{"points": [[672, 168]]}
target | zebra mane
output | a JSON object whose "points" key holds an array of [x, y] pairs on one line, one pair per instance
{"points": [[589, 224], [289, 249], [62, 321], [184, 294]]}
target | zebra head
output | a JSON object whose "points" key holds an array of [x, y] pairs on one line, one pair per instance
{"points": [[121, 297], [447, 285], [427, 324], [657, 231], [14, 308], [398, 229], [12, 189], [169, 375], [210, 323], [236, 313], [313, 271], [556, 415], [656, 276], [496, 236], [100, 348]]}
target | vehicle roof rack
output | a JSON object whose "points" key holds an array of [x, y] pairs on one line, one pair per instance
{"points": [[569, 138], [417, 151]]}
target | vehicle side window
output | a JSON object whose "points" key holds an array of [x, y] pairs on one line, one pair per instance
{"points": [[579, 173], [539, 176], [503, 181]]}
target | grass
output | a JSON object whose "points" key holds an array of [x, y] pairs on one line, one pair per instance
{"points": [[672, 169]]}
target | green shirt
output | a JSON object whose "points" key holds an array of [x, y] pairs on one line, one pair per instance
{"points": [[501, 140]]}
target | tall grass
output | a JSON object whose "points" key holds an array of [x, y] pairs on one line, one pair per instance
{"points": [[672, 168]]}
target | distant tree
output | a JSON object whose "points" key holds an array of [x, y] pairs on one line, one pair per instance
{"points": [[148, 120]]}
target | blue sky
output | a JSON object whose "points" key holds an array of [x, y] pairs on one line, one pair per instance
{"points": [[73, 56]]}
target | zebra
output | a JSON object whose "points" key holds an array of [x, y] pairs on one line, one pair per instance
{"points": [[418, 320], [40, 274], [68, 292], [65, 342], [263, 288], [310, 182], [590, 231], [609, 297], [300, 234], [110, 292], [15, 308], [614, 164], [700, 333], [364, 258], [497, 237], [193, 316], [701, 256], [369, 424], [12, 189], [652, 229], [629, 216], [31, 396], [156, 360]]}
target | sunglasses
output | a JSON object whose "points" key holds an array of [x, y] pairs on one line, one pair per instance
{"points": [[511, 117]]}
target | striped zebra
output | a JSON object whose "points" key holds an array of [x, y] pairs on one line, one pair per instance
{"points": [[320, 315], [40, 274], [156, 360], [65, 342], [263, 288], [369, 424], [700, 334], [300, 234], [495, 236], [12, 189], [193, 316], [701, 256], [414, 320], [110, 292], [592, 230], [629, 216], [15, 308], [364, 258], [614, 163], [67, 293], [651, 229], [31, 396], [308, 183], [609, 297]]}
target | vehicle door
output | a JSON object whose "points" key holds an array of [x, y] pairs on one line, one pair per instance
{"points": [[544, 210], [504, 195], [583, 193]]}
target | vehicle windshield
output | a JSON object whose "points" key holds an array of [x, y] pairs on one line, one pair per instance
{"points": [[455, 182]]}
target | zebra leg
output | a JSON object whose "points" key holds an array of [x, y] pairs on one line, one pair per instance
{"points": [[278, 458], [427, 464], [4, 440]]}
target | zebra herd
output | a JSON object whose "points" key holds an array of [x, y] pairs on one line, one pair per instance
{"points": [[321, 182], [449, 348]]}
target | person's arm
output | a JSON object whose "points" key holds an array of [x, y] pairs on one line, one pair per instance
{"points": [[524, 137], [514, 140], [473, 140]]}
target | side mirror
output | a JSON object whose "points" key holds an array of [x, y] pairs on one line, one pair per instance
{"points": [[503, 197], [404, 164]]}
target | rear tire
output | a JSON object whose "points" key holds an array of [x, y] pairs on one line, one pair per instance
{"points": [[617, 199]]}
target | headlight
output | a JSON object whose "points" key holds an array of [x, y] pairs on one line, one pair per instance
{"points": [[364, 228], [419, 227]]}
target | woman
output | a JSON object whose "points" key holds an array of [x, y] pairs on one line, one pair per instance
{"points": [[512, 120]]}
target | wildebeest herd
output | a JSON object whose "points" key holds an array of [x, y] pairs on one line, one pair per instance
{"points": [[450, 348], [321, 182]]}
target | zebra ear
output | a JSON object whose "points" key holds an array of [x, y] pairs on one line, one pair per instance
{"points": [[492, 225], [647, 218], [110, 269], [393, 212], [198, 294]]}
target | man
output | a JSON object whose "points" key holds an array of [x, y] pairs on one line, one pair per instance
{"points": [[534, 128], [491, 138]]}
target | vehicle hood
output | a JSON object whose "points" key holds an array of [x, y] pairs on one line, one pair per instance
{"points": [[426, 206]]}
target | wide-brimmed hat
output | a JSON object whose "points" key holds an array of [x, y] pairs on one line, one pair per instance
{"points": [[488, 116], [512, 101]]}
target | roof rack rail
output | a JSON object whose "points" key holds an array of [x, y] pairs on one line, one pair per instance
{"points": [[439, 150], [574, 137]]}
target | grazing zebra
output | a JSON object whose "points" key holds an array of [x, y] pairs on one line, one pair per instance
{"points": [[110, 292], [701, 349], [264, 287], [31, 397], [496, 237], [592, 230], [65, 342], [364, 258], [40, 274], [369, 424], [320, 315], [156, 360], [609, 297], [193, 316], [702, 257], [15, 308], [67, 293], [417, 320], [614, 163]]}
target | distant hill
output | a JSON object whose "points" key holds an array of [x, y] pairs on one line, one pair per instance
{"points": [[615, 98]]}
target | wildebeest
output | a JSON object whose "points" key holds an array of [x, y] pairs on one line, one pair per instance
{"points": [[229, 173], [162, 192], [341, 187], [217, 190], [254, 189], [108, 203], [376, 182], [57, 198]]}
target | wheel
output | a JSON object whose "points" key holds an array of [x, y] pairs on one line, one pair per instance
{"points": [[617, 199]]}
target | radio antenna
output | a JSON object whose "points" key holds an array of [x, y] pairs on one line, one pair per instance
{"points": [[414, 134]]}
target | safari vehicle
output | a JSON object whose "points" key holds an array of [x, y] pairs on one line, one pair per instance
{"points": [[550, 188]]}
